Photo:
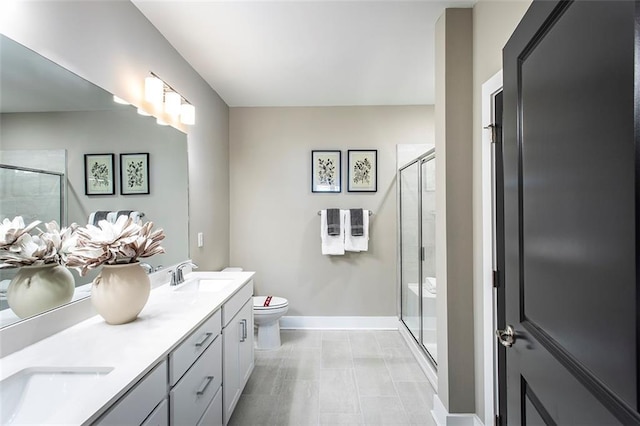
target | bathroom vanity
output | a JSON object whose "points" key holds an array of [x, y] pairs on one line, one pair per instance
{"points": [[184, 361]]}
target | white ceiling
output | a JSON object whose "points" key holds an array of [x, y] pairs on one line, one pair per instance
{"points": [[307, 53]]}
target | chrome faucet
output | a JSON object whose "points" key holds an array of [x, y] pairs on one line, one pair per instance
{"points": [[177, 276], [147, 268]]}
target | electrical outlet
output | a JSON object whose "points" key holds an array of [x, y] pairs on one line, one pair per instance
{"points": [[200, 239]]}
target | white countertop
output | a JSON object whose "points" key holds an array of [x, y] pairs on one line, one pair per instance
{"points": [[131, 349]]}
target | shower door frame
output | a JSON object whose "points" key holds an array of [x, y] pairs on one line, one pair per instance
{"points": [[419, 161]]}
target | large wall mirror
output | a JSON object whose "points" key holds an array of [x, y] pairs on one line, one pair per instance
{"points": [[49, 119]]}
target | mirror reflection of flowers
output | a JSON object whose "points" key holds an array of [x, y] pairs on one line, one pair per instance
{"points": [[20, 246], [114, 243]]}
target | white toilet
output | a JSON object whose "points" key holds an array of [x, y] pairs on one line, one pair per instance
{"points": [[266, 317]]}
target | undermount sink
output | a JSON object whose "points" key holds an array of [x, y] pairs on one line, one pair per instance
{"points": [[33, 395], [209, 285]]}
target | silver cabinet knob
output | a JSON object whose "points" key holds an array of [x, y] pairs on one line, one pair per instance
{"points": [[506, 336]]}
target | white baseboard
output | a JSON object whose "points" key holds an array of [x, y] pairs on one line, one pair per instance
{"points": [[339, 323], [442, 417]]}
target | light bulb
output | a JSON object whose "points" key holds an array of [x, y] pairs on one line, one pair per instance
{"points": [[188, 114], [172, 103], [161, 122], [153, 90]]}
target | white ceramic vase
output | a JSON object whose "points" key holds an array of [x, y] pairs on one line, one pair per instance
{"points": [[35, 289], [120, 292]]}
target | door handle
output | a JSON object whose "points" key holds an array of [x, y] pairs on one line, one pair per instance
{"points": [[506, 337], [244, 330], [205, 385], [202, 341]]}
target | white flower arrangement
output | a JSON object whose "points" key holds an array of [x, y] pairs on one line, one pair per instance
{"points": [[113, 243], [18, 247]]}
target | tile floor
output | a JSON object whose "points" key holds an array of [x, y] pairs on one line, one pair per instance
{"points": [[336, 378]]}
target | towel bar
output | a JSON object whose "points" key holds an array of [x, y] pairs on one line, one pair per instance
{"points": [[370, 212]]}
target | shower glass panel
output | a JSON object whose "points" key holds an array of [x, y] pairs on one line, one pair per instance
{"points": [[31, 193], [410, 247], [428, 193]]}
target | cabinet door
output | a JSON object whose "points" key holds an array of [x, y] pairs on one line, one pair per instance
{"points": [[237, 357], [245, 352], [231, 336]]}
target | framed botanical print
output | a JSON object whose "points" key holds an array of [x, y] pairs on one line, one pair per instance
{"points": [[98, 174], [326, 171], [363, 170], [134, 173]]}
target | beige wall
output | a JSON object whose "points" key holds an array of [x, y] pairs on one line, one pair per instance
{"points": [[453, 210], [111, 44], [493, 24], [275, 229]]}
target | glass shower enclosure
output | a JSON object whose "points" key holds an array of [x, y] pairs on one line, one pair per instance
{"points": [[417, 232]]}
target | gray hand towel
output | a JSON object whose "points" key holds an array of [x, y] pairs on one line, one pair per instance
{"points": [[357, 223], [333, 221], [100, 215]]}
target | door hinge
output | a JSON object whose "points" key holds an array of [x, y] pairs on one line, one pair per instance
{"points": [[422, 253], [498, 420], [496, 279], [494, 132]]}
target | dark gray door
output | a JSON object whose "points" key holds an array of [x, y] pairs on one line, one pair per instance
{"points": [[572, 199]]}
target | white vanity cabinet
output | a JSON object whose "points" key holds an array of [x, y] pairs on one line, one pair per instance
{"points": [[198, 374], [145, 400], [195, 374], [237, 342]]}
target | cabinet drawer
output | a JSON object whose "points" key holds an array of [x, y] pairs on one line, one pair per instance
{"points": [[233, 305], [184, 355], [213, 415], [136, 405], [193, 393], [159, 416]]}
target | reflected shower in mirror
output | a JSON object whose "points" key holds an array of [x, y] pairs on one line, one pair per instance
{"points": [[49, 119]]}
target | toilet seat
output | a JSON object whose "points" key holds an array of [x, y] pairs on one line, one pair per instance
{"points": [[276, 303]]}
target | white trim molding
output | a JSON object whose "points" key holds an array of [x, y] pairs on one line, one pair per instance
{"points": [[443, 418], [339, 323], [489, 89]]}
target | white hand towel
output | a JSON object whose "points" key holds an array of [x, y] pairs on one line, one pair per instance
{"points": [[136, 217], [331, 244], [352, 243]]}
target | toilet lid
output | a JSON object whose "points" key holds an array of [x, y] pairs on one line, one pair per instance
{"points": [[275, 302]]}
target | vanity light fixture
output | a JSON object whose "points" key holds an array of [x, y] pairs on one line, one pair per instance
{"points": [[143, 112], [164, 97], [161, 122]]}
